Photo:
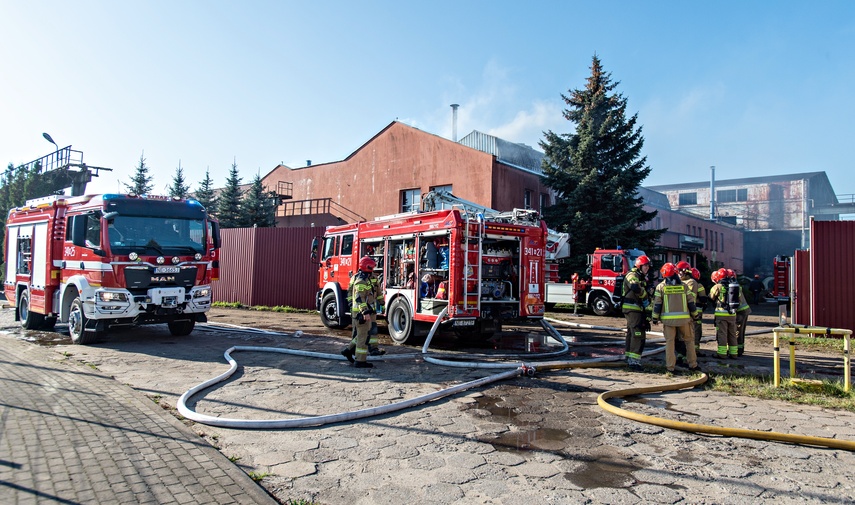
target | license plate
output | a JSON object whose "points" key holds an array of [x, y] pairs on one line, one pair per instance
{"points": [[464, 322], [166, 270]]}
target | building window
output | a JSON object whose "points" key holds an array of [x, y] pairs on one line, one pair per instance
{"points": [[445, 189], [544, 201], [410, 200], [688, 198], [715, 237], [707, 239], [722, 242], [732, 195], [688, 229], [527, 199]]}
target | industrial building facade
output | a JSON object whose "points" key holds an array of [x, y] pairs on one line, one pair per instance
{"points": [[773, 212]]}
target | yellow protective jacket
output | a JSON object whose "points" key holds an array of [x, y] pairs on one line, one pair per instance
{"points": [[634, 291], [363, 292], [718, 294], [673, 304]]}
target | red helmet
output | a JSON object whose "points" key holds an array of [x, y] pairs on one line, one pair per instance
{"points": [[668, 270], [718, 275], [641, 261], [367, 264], [696, 274], [684, 265], [731, 274]]}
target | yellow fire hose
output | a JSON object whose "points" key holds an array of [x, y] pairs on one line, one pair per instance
{"points": [[602, 400]]}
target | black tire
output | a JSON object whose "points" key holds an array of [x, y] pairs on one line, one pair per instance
{"points": [[329, 313], [601, 305], [399, 319], [181, 328], [77, 324], [29, 320]]}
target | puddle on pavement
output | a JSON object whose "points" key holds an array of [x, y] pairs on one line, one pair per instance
{"points": [[606, 471], [542, 439], [45, 338]]}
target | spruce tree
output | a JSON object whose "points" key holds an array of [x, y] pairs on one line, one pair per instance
{"points": [[596, 173], [179, 187], [141, 180], [205, 194], [229, 209], [259, 205]]}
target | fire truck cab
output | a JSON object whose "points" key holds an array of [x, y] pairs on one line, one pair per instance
{"points": [[600, 288], [99, 261], [469, 271]]}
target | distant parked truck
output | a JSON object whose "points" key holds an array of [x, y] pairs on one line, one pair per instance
{"points": [[600, 288], [781, 278], [100, 261]]}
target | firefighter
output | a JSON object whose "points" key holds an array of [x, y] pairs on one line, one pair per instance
{"points": [[701, 303], [756, 287], [683, 269], [373, 339], [742, 313], [725, 316], [674, 305], [364, 304], [636, 307]]}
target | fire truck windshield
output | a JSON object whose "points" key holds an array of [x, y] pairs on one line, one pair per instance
{"points": [[156, 235]]}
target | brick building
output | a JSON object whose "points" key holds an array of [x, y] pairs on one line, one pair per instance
{"points": [[389, 173]]}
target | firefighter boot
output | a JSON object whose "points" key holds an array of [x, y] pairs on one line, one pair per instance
{"points": [[347, 352], [363, 364]]}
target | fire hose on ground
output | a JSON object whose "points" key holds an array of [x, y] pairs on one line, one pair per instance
{"points": [[516, 369]]}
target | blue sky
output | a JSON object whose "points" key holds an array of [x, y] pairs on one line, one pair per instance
{"points": [[754, 88]]}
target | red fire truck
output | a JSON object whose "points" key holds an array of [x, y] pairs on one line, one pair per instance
{"points": [[597, 288], [110, 260], [481, 270]]}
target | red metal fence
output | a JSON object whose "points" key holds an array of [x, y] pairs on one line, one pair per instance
{"points": [[824, 275], [268, 266]]}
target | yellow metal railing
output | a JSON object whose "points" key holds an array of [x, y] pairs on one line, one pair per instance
{"points": [[810, 330]]}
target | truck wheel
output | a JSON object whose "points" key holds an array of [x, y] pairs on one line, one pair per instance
{"points": [[400, 321], [29, 320], [181, 328], [601, 305], [329, 313], [77, 324]]}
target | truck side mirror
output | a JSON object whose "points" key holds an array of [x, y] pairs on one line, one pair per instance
{"points": [[315, 249], [215, 234], [78, 230]]}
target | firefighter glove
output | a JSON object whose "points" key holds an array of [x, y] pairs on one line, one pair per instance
{"points": [[360, 318]]}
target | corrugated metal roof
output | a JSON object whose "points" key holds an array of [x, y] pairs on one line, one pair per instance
{"points": [[509, 153], [744, 182]]}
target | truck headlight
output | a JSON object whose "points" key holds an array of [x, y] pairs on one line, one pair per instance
{"points": [[112, 296], [202, 293]]}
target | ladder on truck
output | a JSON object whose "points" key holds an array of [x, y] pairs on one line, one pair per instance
{"points": [[472, 243]]}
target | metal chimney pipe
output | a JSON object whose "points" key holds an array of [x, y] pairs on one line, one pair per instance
{"points": [[454, 107], [712, 193]]}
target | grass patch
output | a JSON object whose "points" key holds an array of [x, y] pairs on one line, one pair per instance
{"points": [[257, 476], [834, 345], [299, 501], [821, 393], [263, 308]]}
